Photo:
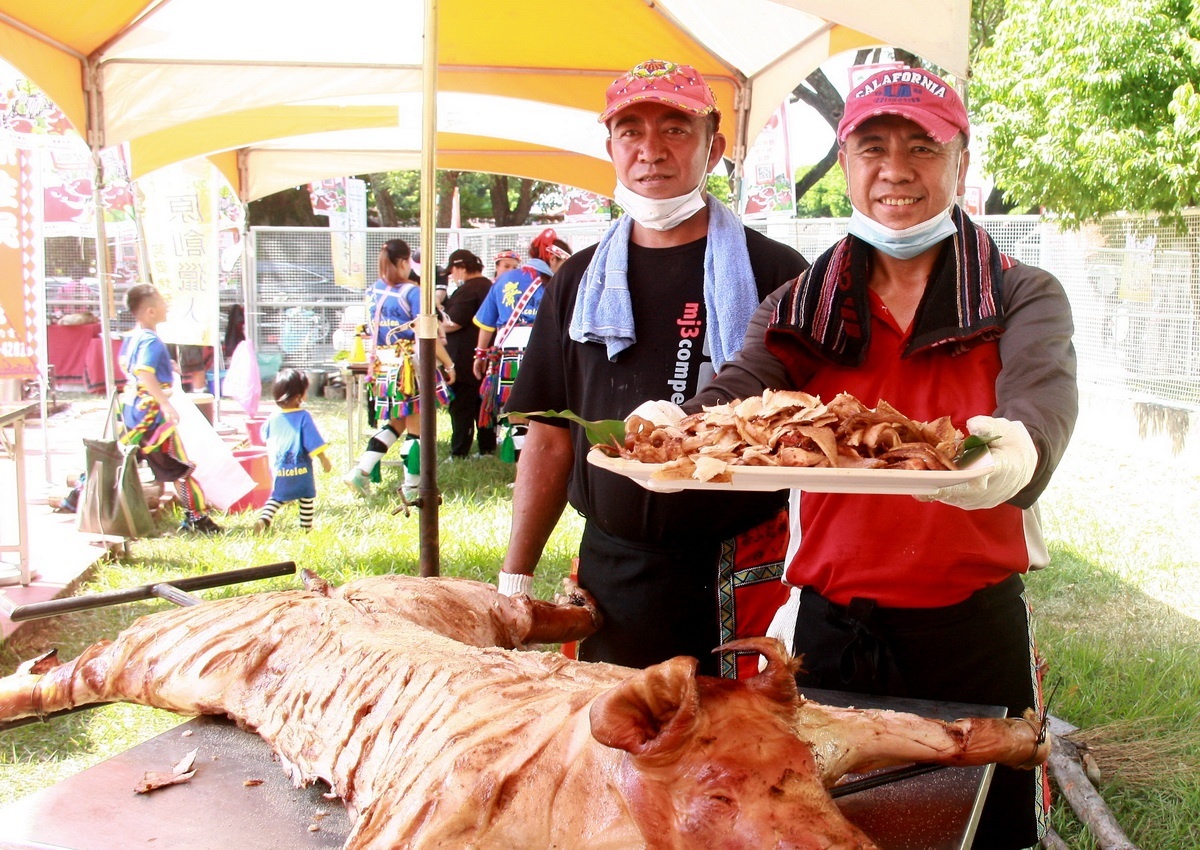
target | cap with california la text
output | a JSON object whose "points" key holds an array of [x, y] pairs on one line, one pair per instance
{"points": [[657, 80], [913, 93]]}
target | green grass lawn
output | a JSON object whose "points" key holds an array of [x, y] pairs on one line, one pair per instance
{"points": [[1117, 612]]}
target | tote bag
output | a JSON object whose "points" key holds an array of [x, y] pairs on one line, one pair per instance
{"points": [[113, 502]]}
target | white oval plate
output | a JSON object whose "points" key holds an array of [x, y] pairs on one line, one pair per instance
{"points": [[910, 482]]}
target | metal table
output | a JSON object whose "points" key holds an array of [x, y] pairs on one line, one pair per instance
{"points": [[355, 376], [216, 810], [933, 811], [14, 415]]}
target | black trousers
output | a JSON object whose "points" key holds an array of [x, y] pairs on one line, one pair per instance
{"points": [[978, 651], [464, 417]]}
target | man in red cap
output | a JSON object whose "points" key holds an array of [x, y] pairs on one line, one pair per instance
{"points": [[650, 312], [921, 597]]}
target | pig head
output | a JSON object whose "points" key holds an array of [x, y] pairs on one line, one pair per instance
{"points": [[717, 763]]}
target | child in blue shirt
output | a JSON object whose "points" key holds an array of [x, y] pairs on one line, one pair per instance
{"points": [[292, 441]]}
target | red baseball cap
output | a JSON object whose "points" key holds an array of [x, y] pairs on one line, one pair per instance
{"points": [[913, 93], [680, 86]]}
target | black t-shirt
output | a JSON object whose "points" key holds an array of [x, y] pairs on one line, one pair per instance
{"points": [[669, 361], [460, 307]]}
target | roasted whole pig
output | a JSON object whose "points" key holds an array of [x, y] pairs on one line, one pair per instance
{"points": [[395, 691]]}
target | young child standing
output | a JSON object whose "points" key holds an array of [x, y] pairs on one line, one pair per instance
{"points": [[149, 417], [292, 442]]}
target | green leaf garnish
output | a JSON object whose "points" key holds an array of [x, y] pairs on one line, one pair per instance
{"points": [[606, 433], [972, 447]]}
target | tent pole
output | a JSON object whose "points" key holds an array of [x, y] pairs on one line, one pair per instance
{"points": [[95, 140], [427, 324], [104, 273]]}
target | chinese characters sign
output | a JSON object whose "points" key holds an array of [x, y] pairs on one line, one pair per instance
{"points": [[179, 217]]}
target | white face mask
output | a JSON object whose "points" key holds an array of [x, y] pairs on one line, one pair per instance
{"points": [[902, 244], [665, 213]]}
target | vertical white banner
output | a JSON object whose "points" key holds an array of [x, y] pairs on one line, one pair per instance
{"points": [[348, 237], [178, 209]]}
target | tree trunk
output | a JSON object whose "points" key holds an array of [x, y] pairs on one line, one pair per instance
{"points": [[289, 208], [814, 174], [445, 206], [524, 201], [995, 203], [818, 92], [499, 194], [385, 204]]}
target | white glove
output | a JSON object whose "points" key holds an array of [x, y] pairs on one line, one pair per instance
{"points": [[1014, 458], [659, 412], [514, 584]]}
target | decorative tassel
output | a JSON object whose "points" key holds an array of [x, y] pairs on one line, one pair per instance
{"points": [[508, 448]]}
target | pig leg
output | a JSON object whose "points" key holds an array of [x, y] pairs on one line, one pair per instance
{"points": [[572, 616], [857, 740], [45, 687], [474, 612]]}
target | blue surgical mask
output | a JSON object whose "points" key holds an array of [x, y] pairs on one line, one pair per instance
{"points": [[902, 244]]}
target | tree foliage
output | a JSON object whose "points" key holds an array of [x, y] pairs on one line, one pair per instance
{"points": [[826, 199], [394, 199], [504, 200], [1093, 109]]}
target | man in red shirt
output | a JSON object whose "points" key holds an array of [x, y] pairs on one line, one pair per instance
{"points": [[903, 596]]}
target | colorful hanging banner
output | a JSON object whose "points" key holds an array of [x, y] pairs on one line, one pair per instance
{"points": [[328, 197], [30, 127], [20, 307], [768, 190], [581, 206]]}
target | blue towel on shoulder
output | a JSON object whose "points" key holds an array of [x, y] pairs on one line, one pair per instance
{"points": [[604, 309]]}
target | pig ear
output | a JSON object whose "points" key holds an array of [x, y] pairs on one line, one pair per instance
{"points": [[651, 712], [778, 680]]}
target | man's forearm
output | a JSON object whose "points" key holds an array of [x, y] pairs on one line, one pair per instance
{"points": [[540, 494]]}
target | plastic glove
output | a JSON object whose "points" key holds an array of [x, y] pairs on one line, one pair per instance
{"points": [[658, 412], [1014, 458], [514, 584]]}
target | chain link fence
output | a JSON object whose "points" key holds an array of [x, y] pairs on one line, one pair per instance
{"points": [[1134, 286]]}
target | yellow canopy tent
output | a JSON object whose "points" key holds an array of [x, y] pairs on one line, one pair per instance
{"points": [[232, 78]]}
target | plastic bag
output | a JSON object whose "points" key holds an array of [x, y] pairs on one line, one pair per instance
{"points": [[243, 381], [221, 478]]}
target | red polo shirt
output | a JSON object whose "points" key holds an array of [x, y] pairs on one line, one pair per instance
{"points": [[893, 549]]}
